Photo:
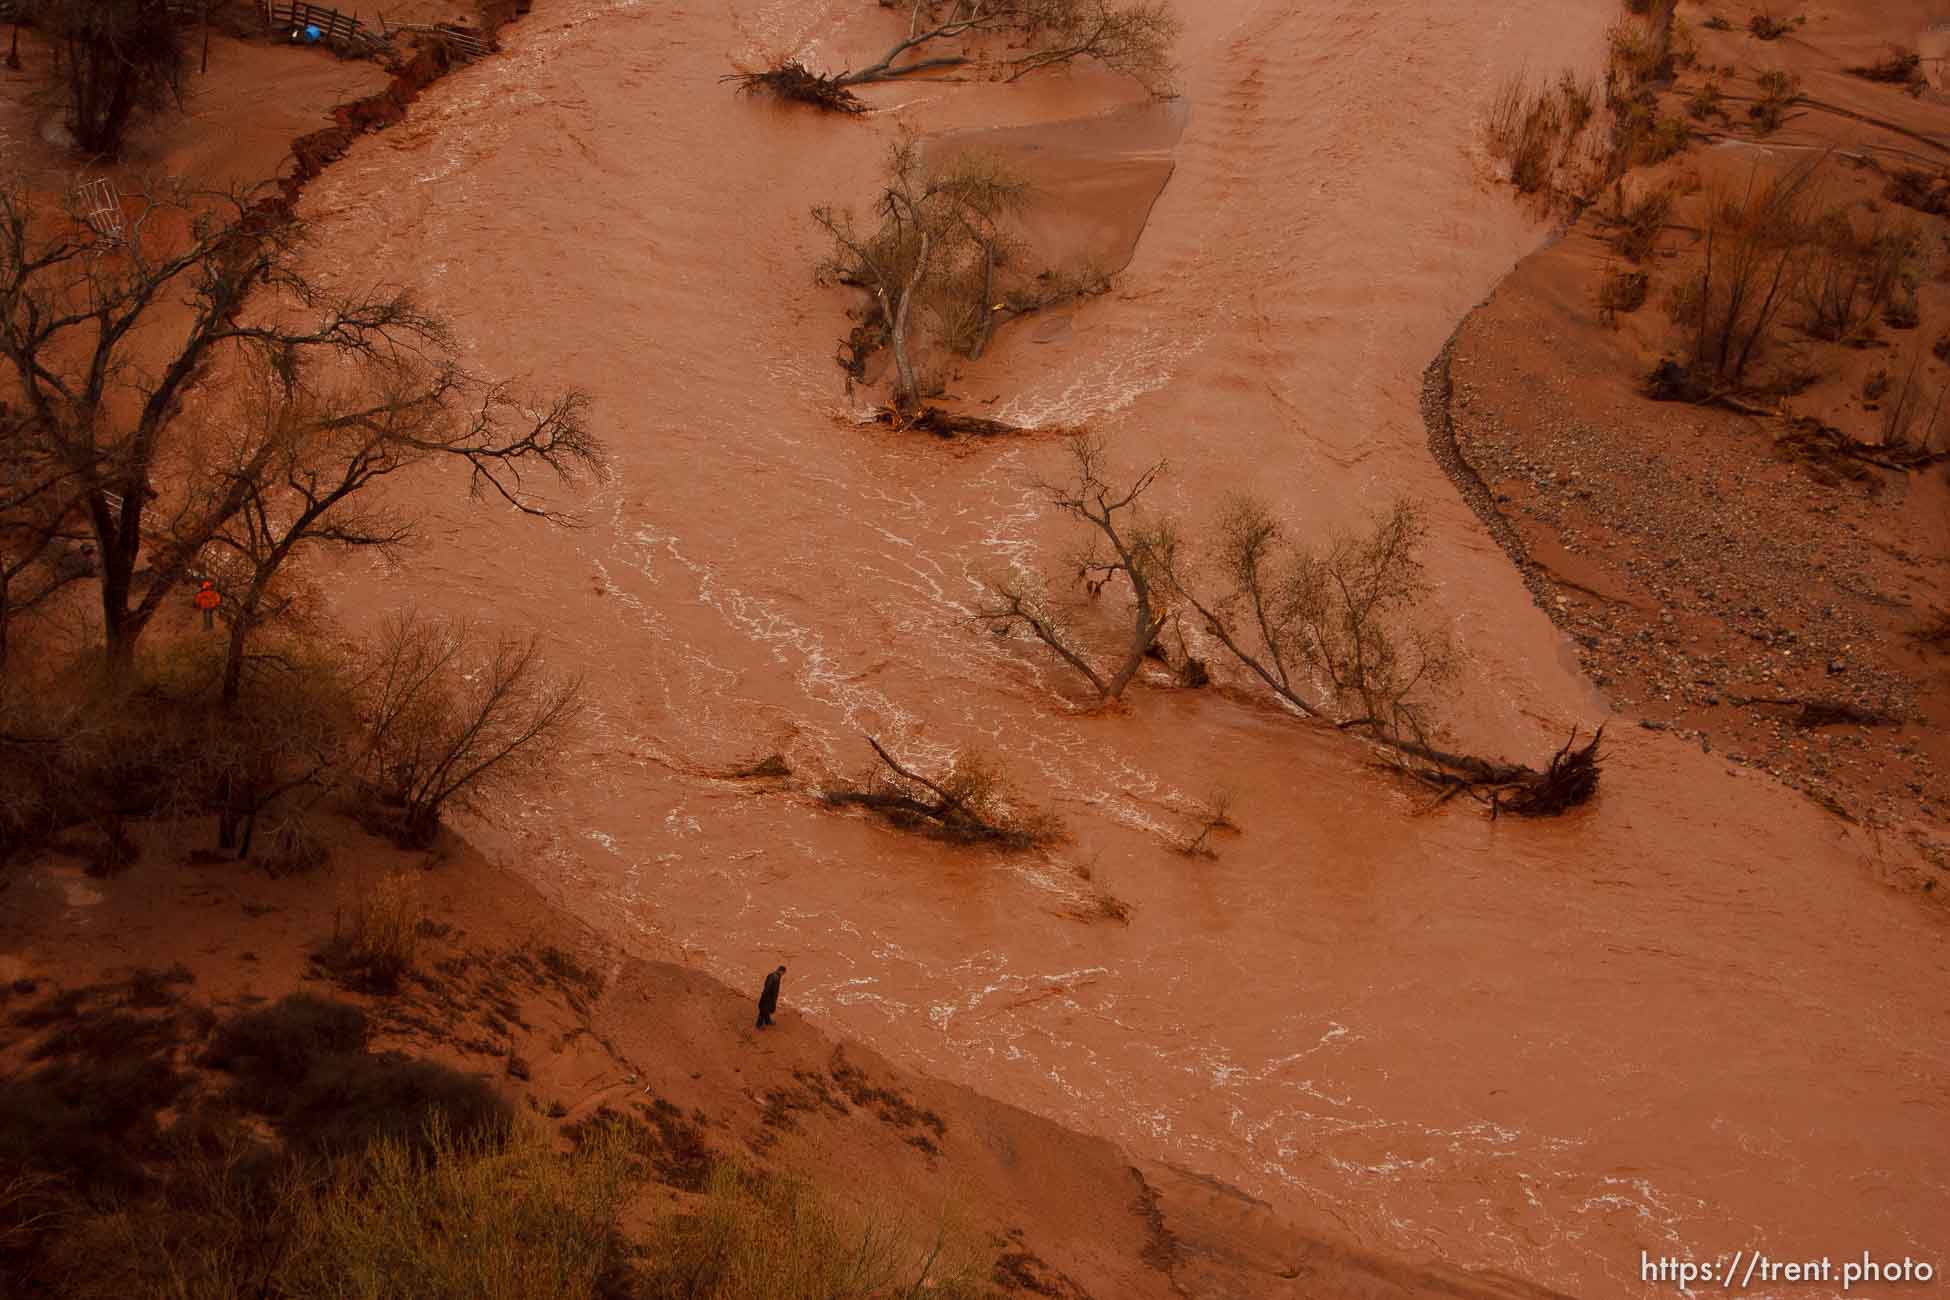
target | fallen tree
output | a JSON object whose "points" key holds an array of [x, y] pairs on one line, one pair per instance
{"points": [[1125, 548], [971, 805], [1331, 630], [1133, 37]]}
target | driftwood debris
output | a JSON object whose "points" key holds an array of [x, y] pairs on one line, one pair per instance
{"points": [[946, 424], [793, 80]]}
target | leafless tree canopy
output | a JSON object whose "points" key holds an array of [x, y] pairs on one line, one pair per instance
{"points": [[1127, 551], [1133, 37], [122, 347], [113, 59], [451, 719], [1332, 629]]}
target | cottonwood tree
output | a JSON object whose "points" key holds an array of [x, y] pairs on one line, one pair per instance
{"points": [[1126, 550], [307, 454], [1133, 37], [39, 552], [120, 347], [113, 60], [933, 254]]}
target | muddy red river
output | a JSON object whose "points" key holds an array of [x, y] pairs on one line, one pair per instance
{"points": [[1687, 1020]]}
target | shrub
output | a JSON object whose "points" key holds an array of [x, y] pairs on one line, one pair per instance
{"points": [[763, 1238], [1755, 247], [1899, 67], [1640, 52], [444, 1217], [273, 1049], [448, 720], [1664, 137], [1778, 92], [1769, 28], [1622, 293], [373, 944], [1706, 102], [1640, 220]]}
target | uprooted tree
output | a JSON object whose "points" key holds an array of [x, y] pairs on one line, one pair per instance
{"points": [[1334, 630], [126, 349], [1127, 550], [1133, 37], [971, 804], [928, 267]]}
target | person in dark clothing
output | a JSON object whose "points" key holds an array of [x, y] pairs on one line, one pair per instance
{"points": [[768, 1001]]}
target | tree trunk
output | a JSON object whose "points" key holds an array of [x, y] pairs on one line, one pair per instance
{"points": [[233, 659], [988, 301], [907, 389]]}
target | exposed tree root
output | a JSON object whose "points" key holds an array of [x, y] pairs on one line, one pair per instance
{"points": [[1570, 779], [794, 81], [945, 424]]}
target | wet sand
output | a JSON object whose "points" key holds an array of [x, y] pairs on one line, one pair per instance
{"points": [[1532, 1048]]}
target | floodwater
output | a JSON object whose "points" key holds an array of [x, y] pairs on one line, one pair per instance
{"points": [[1688, 1020]]}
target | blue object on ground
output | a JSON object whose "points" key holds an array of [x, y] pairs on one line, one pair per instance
{"points": [[312, 33]]}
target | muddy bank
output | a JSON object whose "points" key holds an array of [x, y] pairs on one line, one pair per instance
{"points": [[1763, 592], [563, 1024]]}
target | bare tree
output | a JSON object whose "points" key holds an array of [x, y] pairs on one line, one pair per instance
{"points": [[208, 283], [307, 457], [447, 720], [41, 548], [1125, 548], [939, 239], [1133, 37], [113, 59]]}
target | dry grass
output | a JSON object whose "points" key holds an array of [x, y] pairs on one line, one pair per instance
{"points": [[756, 1237], [376, 938]]}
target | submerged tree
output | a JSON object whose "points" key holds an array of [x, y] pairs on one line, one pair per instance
{"points": [[929, 264], [1125, 548], [1133, 37], [1335, 630]]}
